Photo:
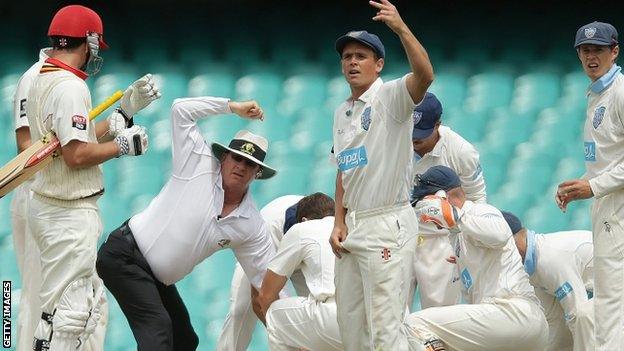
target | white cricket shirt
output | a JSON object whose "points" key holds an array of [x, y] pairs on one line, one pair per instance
{"points": [[561, 265], [604, 134], [274, 215], [179, 228], [306, 247], [23, 87], [458, 154], [59, 101], [488, 262], [373, 146]]}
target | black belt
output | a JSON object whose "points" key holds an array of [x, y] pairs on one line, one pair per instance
{"points": [[126, 233]]}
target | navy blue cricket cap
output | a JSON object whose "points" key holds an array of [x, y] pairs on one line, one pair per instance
{"points": [[434, 179], [597, 33], [512, 221], [290, 217], [362, 37], [426, 115]]}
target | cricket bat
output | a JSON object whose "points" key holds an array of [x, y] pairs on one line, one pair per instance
{"points": [[40, 154]]}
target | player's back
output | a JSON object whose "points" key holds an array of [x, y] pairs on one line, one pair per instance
{"points": [[574, 247]]}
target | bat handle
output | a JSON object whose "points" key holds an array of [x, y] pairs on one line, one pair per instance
{"points": [[106, 104]]}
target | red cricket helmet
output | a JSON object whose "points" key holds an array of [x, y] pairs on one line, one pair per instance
{"points": [[77, 21]]}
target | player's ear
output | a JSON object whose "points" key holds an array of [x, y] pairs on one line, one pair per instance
{"points": [[379, 65]]}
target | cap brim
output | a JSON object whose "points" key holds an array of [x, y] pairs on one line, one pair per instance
{"points": [[594, 42], [418, 134], [267, 172], [343, 40]]}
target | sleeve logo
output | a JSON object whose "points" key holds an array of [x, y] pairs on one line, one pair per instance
{"points": [[352, 158], [590, 151], [563, 291], [79, 122], [466, 279]]}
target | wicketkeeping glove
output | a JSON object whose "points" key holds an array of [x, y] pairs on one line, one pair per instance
{"points": [[138, 96], [437, 209], [132, 141]]}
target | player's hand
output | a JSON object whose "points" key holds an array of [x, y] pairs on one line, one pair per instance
{"points": [[116, 123], [247, 109], [338, 236], [388, 14], [132, 141], [436, 209], [570, 190], [139, 95]]}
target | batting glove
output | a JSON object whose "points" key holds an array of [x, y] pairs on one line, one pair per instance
{"points": [[436, 209], [116, 123], [138, 96], [132, 141]]}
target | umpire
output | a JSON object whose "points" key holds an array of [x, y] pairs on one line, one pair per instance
{"points": [[204, 207]]}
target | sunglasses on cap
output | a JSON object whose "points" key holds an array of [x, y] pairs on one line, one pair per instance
{"points": [[239, 158], [420, 181]]}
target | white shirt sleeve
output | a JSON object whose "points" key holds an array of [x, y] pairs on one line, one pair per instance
{"points": [[485, 224], [471, 174], [72, 102], [19, 102], [565, 283], [397, 100], [613, 179], [289, 254], [189, 145], [254, 256]]}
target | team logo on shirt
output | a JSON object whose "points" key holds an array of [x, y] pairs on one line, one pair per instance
{"points": [[385, 254], [79, 122], [563, 291], [417, 116], [589, 32], [366, 118], [223, 242], [598, 116]]}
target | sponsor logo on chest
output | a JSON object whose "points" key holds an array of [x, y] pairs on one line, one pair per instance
{"points": [[352, 158]]}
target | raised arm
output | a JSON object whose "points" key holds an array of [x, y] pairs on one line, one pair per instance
{"points": [[422, 71]]}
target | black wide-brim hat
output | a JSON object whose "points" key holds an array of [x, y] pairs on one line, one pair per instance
{"points": [[250, 146]]}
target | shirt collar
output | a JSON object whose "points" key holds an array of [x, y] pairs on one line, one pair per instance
{"points": [[370, 92], [530, 256], [245, 208], [80, 74], [43, 54], [605, 81]]}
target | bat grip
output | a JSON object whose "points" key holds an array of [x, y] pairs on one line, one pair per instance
{"points": [[106, 104], [137, 144]]}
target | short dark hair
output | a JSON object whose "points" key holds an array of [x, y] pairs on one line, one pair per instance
{"points": [[315, 206], [66, 43]]}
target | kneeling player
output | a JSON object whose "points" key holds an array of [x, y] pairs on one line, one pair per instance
{"points": [[503, 312], [303, 322], [561, 268]]}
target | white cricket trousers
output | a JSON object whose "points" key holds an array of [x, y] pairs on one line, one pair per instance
{"points": [[608, 233], [515, 324], [27, 255], [435, 277], [296, 323], [560, 337], [67, 239], [373, 280], [240, 321]]}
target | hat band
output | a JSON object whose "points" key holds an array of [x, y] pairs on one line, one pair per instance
{"points": [[249, 148]]}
